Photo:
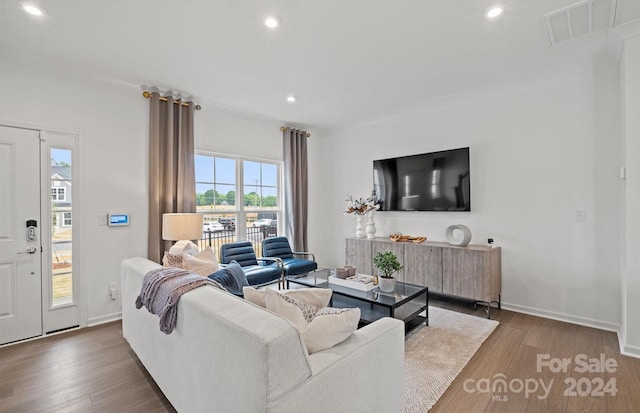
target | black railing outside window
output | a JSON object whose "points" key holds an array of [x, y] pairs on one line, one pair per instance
{"points": [[254, 234]]}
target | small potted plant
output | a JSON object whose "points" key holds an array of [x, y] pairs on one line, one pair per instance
{"points": [[387, 264]]}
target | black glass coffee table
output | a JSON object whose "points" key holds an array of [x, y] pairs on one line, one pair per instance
{"points": [[408, 302]]}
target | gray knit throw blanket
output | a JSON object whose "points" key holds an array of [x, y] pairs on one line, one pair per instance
{"points": [[162, 289]]}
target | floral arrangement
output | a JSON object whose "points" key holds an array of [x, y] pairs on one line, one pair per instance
{"points": [[360, 206]]}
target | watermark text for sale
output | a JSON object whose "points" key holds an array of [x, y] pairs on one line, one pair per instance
{"points": [[589, 384]]}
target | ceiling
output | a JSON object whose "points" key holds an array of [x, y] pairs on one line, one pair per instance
{"points": [[347, 62]]}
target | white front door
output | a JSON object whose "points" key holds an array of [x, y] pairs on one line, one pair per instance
{"points": [[20, 247]]}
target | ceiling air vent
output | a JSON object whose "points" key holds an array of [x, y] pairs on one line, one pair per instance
{"points": [[579, 19]]}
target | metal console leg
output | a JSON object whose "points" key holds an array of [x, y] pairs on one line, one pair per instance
{"points": [[488, 304]]}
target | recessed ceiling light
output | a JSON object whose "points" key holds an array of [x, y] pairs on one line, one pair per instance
{"points": [[271, 22], [291, 99], [32, 8], [494, 12]]}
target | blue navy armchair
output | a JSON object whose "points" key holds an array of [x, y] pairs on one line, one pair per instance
{"points": [[278, 247], [243, 253]]}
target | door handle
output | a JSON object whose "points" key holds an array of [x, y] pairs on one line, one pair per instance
{"points": [[31, 250]]}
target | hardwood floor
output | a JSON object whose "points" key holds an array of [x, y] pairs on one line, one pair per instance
{"points": [[90, 370], [94, 370], [513, 350]]}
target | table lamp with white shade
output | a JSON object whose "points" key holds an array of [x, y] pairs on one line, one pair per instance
{"points": [[182, 227]]}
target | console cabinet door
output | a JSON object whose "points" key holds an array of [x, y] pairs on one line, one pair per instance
{"points": [[358, 254], [386, 246], [465, 273], [423, 266]]}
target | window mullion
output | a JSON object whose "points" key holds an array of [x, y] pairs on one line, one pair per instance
{"points": [[241, 223]]}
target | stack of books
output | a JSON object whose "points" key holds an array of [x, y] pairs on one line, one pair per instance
{"points": [[360, 282]]}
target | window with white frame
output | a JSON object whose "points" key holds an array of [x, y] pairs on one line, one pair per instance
{"points": [[61, 241], [58, 193], [241, 194]]}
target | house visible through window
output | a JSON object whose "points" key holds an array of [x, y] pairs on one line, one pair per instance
{"points": [[239, 198], [61, 226]]}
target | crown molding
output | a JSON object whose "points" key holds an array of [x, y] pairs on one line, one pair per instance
{"points": [[619, 34]]}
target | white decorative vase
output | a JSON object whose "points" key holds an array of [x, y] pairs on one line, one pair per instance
{"points": [[359, 227], [458, 235], [371, 226], [386, 285]]}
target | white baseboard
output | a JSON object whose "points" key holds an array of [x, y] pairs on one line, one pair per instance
{"points": [[587, 322], [92, 322], [629, 350], [104, 319]]}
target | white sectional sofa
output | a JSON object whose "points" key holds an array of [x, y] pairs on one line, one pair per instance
{"points": [[228, 355]]}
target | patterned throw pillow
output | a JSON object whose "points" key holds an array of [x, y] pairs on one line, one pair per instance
{"points": [[331, 311], [285, 308], [319, 297], [321, 328], [329, 327], [308, 311], [172, 260]]}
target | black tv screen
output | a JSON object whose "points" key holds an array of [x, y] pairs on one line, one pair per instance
{"points": [[436, 181]]}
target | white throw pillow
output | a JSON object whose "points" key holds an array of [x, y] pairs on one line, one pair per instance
{"points": [[329, 327], [188, 248], [319, 297], [321, 328], [289, 309], [203, 264]]}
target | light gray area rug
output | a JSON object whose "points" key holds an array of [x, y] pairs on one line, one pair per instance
{"points": [[435, 355]]}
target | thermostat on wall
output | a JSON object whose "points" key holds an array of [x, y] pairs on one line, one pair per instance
{"points": [[117, 220]]}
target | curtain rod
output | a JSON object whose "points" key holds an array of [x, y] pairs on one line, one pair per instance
{"points": [[284, 129], [147, 95]]}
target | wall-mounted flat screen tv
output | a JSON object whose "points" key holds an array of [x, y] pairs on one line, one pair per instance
{"points": [[436, 181]]}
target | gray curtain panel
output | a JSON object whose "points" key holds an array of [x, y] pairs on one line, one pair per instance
{"points": [[295, 188], [171, 167]]}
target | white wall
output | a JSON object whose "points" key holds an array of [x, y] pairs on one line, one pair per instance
{"points": [[630, 74], [112, 120], [539, 152], [235, 133]]}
